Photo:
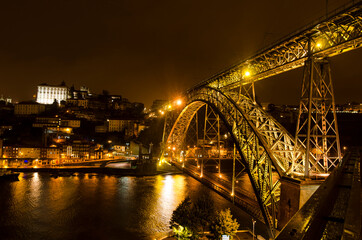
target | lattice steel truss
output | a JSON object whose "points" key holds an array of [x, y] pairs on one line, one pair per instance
{"points": [[317, 130], [262, 143], [329, 37]]}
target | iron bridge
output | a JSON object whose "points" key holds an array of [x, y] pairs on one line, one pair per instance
{"points": [[263, 150]]}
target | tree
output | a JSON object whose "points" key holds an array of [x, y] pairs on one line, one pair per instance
{"points": [[204, 212], [184, 216], [182, 233], [181, 215], [193, 217], [224, 224]]}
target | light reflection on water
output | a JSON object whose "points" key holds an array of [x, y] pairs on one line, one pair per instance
{"points": [[90, 206]]}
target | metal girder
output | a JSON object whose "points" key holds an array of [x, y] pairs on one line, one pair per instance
{"points": [[329, 37]]}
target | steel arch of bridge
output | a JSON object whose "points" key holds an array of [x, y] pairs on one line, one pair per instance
{"points": [[263, 144]]}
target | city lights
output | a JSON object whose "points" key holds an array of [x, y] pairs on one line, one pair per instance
{"points": [[99, 147]]}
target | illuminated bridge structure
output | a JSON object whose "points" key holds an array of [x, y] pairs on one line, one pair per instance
{"points": [[263, 150]]}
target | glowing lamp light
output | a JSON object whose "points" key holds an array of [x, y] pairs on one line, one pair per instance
{"points": [[319, 45], [247, 74], [169, 106], [232, 194], [178, 102]]}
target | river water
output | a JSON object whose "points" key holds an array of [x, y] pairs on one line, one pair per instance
{"points": [[95, 206]]}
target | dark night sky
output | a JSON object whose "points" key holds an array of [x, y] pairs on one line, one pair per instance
{"points": [[146, 50]]}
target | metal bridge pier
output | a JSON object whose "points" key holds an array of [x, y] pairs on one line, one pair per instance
{"points": [[317, 129]]}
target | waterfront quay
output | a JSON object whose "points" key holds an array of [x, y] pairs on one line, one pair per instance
{"points": [[125, 167]]}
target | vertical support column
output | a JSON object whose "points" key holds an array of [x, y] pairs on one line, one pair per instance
{"points": [[253, 89], [309, 78], [197, 136], [203, 143], [317, 129], [218, 143], [233, 178]]}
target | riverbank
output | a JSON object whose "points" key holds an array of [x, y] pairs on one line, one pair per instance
{"points": [[101, 170]]}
